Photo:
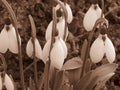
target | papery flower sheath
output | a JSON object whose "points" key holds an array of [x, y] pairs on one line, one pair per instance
{"points": [[57, 54], [91, 16], [60, 28], [102, 47], [69, 12], [8, 39], [38, 49], [8, 83]]}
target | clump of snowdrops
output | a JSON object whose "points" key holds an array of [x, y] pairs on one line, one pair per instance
{"points": [[74, 74]]}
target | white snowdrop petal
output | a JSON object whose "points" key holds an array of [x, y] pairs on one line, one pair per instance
{"points": [[4, 42], [97, 50], [48, 31], [9, 83], [57, 55], [0, 83], [46, 51], [38, 49], [60, 28], [64, 47], [90, 17], [109, 50], [13, 45], [57, 6], [70, 15], [98, 11], [29, 48]]}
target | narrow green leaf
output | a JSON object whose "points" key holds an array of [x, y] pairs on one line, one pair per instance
{"points": [[73, 75], [73, 63], [58, 80], [83, 50], [92, 78], [87, 65], [46, 76], [82, 82], [103, 81], [100, 72]]}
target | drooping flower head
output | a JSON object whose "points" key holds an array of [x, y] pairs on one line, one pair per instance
{"points": [[68, 9], [38, 49], [8, 38], [91, 16], [33, 48], [61, 22], [58, 53], [101, 47]]}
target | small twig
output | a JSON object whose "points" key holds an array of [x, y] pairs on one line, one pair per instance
{"points": [[34, 57], [29, 66], [13, 16]]}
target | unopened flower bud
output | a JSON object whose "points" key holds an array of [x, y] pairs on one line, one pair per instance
{"points": [[38, 49], [57, 54], [91, 17], [8, 39]]}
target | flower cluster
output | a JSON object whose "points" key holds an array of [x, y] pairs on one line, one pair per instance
{"points": [[102, 46]]}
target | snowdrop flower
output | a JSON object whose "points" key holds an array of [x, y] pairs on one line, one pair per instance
{"points": [[69, 12], [38, 49], [8, 83], [100, 47], [58, 53], [8, 39], [60, 27], [91, 16]]}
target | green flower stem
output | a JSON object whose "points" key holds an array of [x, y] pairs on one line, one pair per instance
{"points": [[29, 66], [65, 16], [48, 64], [13, 16], [4, 65], [99, 21], [34, 57], [103, 7]]}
